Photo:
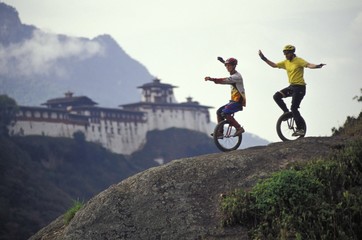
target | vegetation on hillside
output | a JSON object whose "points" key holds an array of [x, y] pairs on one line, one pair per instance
{"points": [[321, 199], [358, 98], [41, 176], [68, 216], [8, 109], [352, 126]]}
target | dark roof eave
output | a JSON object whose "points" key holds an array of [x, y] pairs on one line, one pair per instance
{"points": [[159, 85], [105, 109], [69, 100], [164, 104]]}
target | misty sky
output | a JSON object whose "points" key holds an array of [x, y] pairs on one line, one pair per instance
{"points": [[179, 41]]}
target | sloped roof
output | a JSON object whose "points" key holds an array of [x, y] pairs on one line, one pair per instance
{"points": [[69, 99], [156, 83]]}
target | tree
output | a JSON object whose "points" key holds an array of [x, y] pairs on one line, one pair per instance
{"points": [[79, 137], [359, 99], [8, 110]]}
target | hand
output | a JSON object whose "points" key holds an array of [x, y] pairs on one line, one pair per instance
{"points": [[320, 65], [207, 78], [261, 55]]}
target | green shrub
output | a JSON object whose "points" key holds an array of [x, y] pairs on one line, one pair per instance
{"points": [[317, 200], [68, 216]]}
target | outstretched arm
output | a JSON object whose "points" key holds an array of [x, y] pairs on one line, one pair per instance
{"points": [[215, 80], [270, 63], [313, 66]]}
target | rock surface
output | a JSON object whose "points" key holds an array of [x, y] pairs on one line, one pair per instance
{"points": [[180, 200]]}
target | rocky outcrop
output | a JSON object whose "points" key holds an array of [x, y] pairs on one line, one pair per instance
{"points": [[180, 200]]}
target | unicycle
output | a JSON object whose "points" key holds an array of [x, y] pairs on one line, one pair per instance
{"points": [[286, 127], [224, 137]]}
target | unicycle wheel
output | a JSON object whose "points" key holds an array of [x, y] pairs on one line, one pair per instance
{"points": [[224, 137], [286, 127]]}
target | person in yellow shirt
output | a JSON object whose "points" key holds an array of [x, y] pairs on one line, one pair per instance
{"points": [[297, 87]]}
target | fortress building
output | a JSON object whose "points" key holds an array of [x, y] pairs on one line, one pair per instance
{"points": [[122, 130]]}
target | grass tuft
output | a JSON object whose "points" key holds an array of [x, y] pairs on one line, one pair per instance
{"points": [[68, 216]]}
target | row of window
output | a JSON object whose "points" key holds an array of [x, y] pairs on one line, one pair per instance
{"points": [[94, 119], [111, 129], [50, 115]]}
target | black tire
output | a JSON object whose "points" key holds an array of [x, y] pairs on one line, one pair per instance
{"points": [[286, 127], [228, 142]]}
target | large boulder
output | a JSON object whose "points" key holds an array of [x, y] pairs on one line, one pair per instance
{"points": [[180, 200]]}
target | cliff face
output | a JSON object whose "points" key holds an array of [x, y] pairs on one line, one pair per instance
{"points": [[180, 200]]}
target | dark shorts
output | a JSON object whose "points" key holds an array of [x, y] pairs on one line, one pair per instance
{"points": [[230, 108], [293, 91]]}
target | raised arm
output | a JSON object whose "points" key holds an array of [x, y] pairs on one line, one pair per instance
{"points": [[270, 63]]}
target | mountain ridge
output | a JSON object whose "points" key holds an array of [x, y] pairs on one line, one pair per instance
{"points": [[38, 65], [12, 30]]}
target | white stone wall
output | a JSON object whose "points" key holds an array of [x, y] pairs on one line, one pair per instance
{"points": [[44, 128], [122, 138], [163, 118], [119, 137]]}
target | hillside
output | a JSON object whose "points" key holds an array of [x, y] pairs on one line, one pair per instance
{"points": [[180, 200], [40, 177]]}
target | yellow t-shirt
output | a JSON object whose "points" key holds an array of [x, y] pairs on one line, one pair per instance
{"points": [[295, 70]]}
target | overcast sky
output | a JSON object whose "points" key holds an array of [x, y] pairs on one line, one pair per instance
{"points": [[179, 41]]}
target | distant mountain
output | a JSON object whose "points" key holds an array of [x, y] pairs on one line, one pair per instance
{"points": [[11, 29], [251, 140], [37, 65]]}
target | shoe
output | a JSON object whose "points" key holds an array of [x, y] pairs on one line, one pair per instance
{"points": [[298, 132], [239, 131]]}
